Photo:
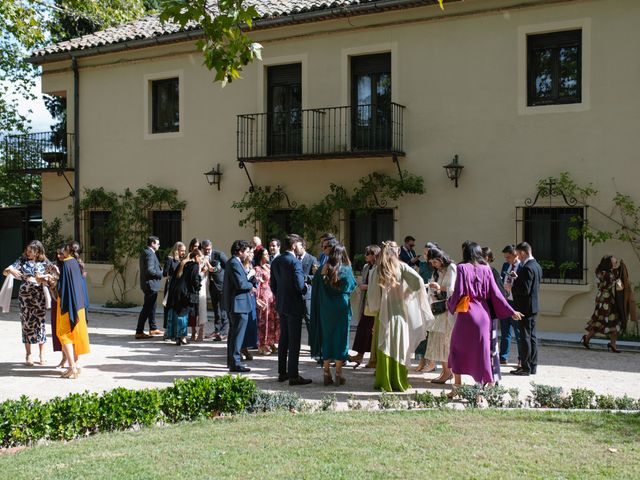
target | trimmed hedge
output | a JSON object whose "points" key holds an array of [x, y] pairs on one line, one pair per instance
{"points": [[26, 421]]}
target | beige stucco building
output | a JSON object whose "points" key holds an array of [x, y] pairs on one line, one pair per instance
{"points": [[519, 90]]}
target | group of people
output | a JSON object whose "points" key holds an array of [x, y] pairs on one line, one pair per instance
{"points": [[60, 286], [403, 304]]}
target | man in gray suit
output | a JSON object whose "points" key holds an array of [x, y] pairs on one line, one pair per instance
{"points": [[150, 278]]}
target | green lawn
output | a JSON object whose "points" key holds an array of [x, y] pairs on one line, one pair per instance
{"points": [[353, 445]]}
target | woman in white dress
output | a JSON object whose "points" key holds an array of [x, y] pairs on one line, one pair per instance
{"points": [[440, 288]]}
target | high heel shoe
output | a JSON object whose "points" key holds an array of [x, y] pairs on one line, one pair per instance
{"points": [[42, 361], [340, 380], [421, 364], [328, 380], [62, 362], [357, 360], [453, 393], [442, 380], [585, 343], [70, 373], [28, 360], [611, 348]]}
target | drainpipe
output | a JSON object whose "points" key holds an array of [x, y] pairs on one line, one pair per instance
{"points": [[76, 149]]}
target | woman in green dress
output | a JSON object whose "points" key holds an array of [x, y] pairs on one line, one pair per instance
{"points": [[331, 311], [399, 296]]}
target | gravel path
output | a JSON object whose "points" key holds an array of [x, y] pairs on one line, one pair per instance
{"points": [[118, 360]]}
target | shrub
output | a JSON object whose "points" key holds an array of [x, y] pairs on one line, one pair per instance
{"points": [[606, 402], [353, 403], [76, 415], [389, 401], [545, 396], [23, 421], [625, 403], [271, 401], [328, 402], [429, 400], [471, 394], [494, 395], [514, 398], [582, 398], [121, 409], [233, 394]]}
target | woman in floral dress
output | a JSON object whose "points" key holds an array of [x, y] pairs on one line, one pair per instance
{"points": [[31, 269], [606, 318], [268, 322]]}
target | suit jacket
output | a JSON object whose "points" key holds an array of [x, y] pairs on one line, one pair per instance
{"points": [[526, 287], [307, 263], [407, 255], [287, 284], [150, 271], [236, 288], [218, 261]]}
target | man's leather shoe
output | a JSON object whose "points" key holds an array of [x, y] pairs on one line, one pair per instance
{"points": [[299, 381], [520, 373], [155, 332], [240, 368], [283, 378], [142, 336]]}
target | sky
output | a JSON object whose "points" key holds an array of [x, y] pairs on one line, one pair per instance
{"points": [[41, 120]]}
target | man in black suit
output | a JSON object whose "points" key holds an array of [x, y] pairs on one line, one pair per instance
{"points": [[525, 290], [288, 285], [150, 278], [236, 301], [217, 264]]}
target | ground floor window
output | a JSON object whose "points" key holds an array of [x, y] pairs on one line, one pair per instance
{"points": [[99, 241], [369, 228], [167, 226], [547, 230]]}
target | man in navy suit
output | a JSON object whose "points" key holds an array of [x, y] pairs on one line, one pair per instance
{"points": [[526, 286], [150, 278], [288, 285], [236, 301], [309, 266]]}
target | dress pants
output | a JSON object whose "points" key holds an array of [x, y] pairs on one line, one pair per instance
{"points": [[289, 344], [221, 319], [528, 344], [148, 312], [237, 327]]}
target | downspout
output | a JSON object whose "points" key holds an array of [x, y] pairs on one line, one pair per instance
{"points": [[76, 149]]}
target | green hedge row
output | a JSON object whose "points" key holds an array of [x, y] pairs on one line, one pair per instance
{"points": [[25, 421]]}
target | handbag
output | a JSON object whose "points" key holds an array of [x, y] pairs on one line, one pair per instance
{"points": [[463, 304]]}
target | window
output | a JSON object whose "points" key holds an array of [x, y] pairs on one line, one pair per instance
{"points": [[371, 101], [99, 241], [165, 105], [547, 231], [167, 226], [368, 229], [284, 109], [279, 225], [554, 68]]}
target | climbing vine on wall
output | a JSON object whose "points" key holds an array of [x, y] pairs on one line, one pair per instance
{"points": [[372, 191], [128, 224]]}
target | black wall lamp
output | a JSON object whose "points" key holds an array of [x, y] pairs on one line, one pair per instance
{"points": [[454, 170], [214, 176]]}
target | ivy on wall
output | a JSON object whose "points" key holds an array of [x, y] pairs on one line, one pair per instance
{"points": [[372, 191], [128, 225]]}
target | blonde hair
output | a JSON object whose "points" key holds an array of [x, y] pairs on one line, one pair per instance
{"points": [[388, 264], [175, 250]]}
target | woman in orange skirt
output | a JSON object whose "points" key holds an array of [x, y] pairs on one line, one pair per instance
{"points": [[71, 322]]}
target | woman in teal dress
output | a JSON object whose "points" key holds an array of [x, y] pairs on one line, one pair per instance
{"points": [[399, 296], [331, 312]]}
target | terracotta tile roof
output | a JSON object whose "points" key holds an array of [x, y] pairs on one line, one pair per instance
{"points": [[150, 27]]}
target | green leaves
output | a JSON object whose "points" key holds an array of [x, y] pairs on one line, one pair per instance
{"points": [[226, 48]]}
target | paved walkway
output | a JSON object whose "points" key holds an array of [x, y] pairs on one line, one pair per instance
{"points": [[118, 360]]}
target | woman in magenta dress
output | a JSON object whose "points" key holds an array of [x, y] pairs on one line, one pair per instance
{"points": [[268, 323], [470, 352]]}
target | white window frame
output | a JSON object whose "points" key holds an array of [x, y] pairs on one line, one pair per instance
{"points": [[148, 104]]}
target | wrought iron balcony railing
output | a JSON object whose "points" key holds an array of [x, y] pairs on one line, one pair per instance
{"points": [[39, 152], [332, 132]]}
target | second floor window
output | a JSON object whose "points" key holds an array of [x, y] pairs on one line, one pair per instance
{"points": [[165, 101], [554, 71]]}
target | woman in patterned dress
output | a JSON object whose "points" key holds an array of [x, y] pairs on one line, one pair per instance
{"points": [[606, 318], [268, 322], [31, 269]]}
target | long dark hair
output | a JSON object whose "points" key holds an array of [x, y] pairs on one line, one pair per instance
{"points": [[472, 253], [437, 254], [337, 258], [606, 264]]}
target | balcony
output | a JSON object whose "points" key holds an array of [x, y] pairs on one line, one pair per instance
{"points": [[332, 132], [39, 152]]}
